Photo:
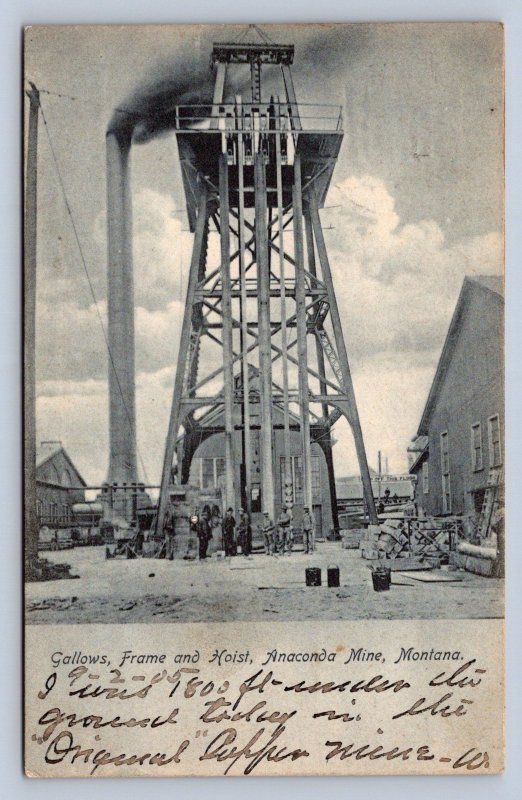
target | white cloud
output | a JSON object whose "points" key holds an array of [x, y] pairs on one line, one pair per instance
{"points": [[391, 393], [397, 286]]}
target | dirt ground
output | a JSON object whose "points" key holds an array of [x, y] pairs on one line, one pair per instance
{"points": [[258, 588]]}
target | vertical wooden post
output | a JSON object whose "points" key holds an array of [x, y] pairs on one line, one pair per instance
{"points": [[284, 335], [247, 437], [228, 376], [219, 88], [265, 361], [302, 351], [30, 254]]}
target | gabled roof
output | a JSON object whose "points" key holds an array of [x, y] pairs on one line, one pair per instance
{"points": [[47, 450], [480, 283], [494, 283]]}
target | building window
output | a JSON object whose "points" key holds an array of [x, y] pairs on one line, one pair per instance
{"points": [[220, 471], [476, 447], [316, 478], [296, 466], [39, 511], [212, 471], [495, 452], [425, 478], [445, 470]]}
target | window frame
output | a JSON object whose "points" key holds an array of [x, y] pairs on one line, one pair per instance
{"points": [[477, 466], [492, 462], [445, 474], [425, 477]]}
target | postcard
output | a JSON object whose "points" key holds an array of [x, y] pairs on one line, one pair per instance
{"points": [[264, 399]]}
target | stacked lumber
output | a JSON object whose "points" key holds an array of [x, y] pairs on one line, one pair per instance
{"points": [[421, 541], [387, 540]]}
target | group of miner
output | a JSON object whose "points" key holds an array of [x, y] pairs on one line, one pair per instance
{"points": [[278, 536]]}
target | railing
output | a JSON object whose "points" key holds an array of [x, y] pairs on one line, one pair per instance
{"points": [[232, 118]]}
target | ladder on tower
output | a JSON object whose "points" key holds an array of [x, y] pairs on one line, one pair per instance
{"points": [[331, 355]]}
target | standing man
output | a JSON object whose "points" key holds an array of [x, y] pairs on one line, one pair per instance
{"points": [[268, 534], [308, 531], [283, 530], [243, 532], [204, 535], [229, 524]]}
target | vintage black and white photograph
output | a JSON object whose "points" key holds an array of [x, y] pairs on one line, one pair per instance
{"points": [[264, 315]]}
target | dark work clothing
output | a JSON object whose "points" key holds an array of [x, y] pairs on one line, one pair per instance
{"points": [[203, 545], [204, 535], [244, 535], [229, 524]]}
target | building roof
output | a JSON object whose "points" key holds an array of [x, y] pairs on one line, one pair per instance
{"points": [[489, 283], [47, 450], [494, 283]]}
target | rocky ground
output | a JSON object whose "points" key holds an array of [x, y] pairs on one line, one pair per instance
{"points": [[258, 588]]}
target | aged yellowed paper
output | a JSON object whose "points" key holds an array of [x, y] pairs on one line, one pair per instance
{"points": [[264, 403]]}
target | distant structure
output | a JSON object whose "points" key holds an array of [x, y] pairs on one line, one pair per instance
{"points": [[460, 435], [59, 485], [205, 468], [350, 489]]}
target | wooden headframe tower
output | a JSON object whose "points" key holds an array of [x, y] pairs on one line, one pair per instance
{"points": [[256, 171]]}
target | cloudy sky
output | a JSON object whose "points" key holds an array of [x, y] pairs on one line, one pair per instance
{"points": [[416, 196]]}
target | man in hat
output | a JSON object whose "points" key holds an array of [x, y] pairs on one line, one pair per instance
{"points": [[229, 525], [268, 534], [308, 531], [243, 532]]}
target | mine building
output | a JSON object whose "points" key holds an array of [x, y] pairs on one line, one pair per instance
{"points": [[59, 485], [459, 440]]}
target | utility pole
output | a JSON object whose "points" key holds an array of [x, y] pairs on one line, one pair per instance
{"points": [[30, 253]]}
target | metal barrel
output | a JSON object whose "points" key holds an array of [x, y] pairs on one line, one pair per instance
{"points": [[333, 575], [313, 576]]}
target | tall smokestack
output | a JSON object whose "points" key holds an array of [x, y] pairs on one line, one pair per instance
{"points": [[122, 408]]}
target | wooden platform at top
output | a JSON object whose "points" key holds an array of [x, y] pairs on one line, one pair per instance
{"points": [[199, 155]]}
